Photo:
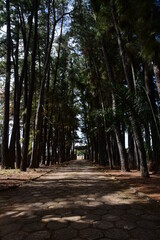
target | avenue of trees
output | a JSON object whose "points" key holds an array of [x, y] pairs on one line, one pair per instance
{"points": [[89, 64]]}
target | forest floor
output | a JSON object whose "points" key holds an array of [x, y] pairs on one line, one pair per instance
{"points": [[149, 187], [14, 178], [77, 201]]}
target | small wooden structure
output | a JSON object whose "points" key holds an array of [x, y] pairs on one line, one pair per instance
{"points": [[81, 152]]}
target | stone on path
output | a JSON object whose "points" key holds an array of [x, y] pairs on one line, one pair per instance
{"points": [[77, 202]]}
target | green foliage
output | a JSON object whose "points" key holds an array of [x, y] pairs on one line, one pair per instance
{"points": [[78, 90]]}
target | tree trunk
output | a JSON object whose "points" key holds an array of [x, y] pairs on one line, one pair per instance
{"points": [[40, 103], [114, 150], [16, 87], [101, 146], [153, 118], [5, 132], [109, 151], [140, 145], [131, 158], [121, 147], [120, 139], [134, 77], [135, 124], [148, 141], [17, 97], [31, 89], [47, 89], [136, 155], [18, 149], [156, 69]]}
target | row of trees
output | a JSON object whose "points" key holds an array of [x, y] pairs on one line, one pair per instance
{"points": [[99, 59], [39, 97], [120, 44]]}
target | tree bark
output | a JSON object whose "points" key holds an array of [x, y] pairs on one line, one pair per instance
{"points": [[156, 70], [33, 163], [31, 89], [135, 124], [18, 91], [5, 132], [131, 158], [109, 151], [47, 90], [15, 117], [121, 147], [153, 117]]}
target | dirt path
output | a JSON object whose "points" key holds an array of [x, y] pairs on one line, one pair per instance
{"points": [[77, 202]]}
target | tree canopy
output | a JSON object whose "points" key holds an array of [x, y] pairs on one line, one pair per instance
{"points": [[89, 66]]}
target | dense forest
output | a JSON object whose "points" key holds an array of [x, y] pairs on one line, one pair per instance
{"points": [[92, 65]]}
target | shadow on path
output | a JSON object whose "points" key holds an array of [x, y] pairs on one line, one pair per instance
{"points": [[77, 202]]}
